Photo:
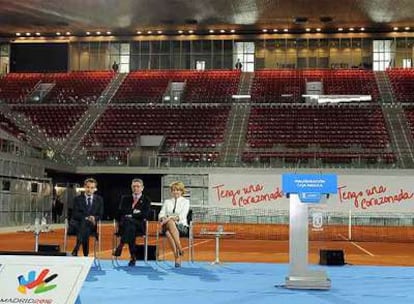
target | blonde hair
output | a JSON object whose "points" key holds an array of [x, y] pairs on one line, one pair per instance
{"points": [[178, 186]]}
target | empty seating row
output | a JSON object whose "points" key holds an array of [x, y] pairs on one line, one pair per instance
{"points": [[72, 87], [121, 126], [333, 126], [402, 83], [290, 85], [56, 120], [200, 86], [326, 157]]}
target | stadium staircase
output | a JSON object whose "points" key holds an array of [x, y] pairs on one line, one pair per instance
{"points": [[401, 139], [236, 129], [384, 87], [34, 135], [92, 115]]}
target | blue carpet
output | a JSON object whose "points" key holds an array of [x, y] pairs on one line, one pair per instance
{"points": [[242, 283]]}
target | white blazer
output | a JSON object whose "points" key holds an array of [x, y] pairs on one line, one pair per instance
{"points": [[181, 209]]}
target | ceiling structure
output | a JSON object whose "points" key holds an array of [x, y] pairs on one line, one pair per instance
{"points": [[126, 17]]}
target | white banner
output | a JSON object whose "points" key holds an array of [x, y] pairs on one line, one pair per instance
{"points": [[358, 193], [42, 279]]}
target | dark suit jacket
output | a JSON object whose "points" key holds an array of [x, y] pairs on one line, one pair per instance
{"points": [[125, 208], [80, 211]]}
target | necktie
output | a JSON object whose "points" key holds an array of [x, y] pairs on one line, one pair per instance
{"points": [[175, 205], [135, 201], [89, 203]]}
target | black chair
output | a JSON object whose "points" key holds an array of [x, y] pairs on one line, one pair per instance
{"points": [[71, 230], [117, 236]]}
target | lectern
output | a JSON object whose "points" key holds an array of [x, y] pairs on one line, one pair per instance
{"points": [[302, 190]]}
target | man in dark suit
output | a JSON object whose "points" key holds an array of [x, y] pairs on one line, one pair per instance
{"points": [[88, 209], [132, 215]]}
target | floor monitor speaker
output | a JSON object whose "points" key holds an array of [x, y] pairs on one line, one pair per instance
{"points": [[331, 257]]}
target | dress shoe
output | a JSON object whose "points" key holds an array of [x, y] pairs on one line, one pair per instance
{"points": [[118, 251], [132, 263], [74, 253], [177, 265]]}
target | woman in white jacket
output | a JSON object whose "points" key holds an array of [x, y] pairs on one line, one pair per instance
{"points": [[173, 219]]}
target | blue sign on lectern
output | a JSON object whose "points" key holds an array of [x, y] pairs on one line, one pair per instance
{"points": [[309, 187]]}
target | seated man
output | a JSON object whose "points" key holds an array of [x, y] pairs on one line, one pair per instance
{"points": [[88, 209], [133, 211]]}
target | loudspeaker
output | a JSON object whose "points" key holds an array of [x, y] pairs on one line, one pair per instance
{"points": [[140, 252], [48, 248], [331, 257]]}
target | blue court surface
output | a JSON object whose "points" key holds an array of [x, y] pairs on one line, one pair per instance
{"points": [[203, 283]]}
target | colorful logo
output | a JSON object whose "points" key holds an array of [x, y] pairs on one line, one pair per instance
{"points": [[40, 284]]}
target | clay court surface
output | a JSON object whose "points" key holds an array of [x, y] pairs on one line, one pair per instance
{"points": [[243, 247]]}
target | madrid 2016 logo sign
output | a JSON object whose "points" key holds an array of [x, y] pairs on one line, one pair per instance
{"points": [[39, 284]]}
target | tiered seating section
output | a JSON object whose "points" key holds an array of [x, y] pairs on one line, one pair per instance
{"points": [[340, 133], [402, 82], [56, 120], [73, 87], [14, 87], [332, 133], [11, 128], [201, 86], [192, 133], [77, 87], [409, 113], [286, 86]]}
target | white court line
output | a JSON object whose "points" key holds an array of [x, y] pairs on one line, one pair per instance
{"points": [[357, 246]]}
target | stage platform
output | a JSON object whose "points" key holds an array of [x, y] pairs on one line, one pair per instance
{"points": [[243, 283]]}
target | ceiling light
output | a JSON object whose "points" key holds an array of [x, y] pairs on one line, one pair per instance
{"points": [[98, 33], [308, 29], [222, 31], [18, 34], [275, 30], [407, 28], [108, 33], [58, 33], [351, 29], [180, 32], [318, 29], [38, 34], [190, 31], [286, 30], [159, 32], [264, 30], [232, 31], [139, 32], [395, 28], [211, 31], [68, 33], [28, 34], [88, 33], [149, 32], [340, 29], [362, 29]]}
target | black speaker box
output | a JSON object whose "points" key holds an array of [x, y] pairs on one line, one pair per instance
{"points": [[140, 252], [48, 248], [331, 257]]}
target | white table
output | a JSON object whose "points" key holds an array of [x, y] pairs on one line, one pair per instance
{"points": [[218, 234]]}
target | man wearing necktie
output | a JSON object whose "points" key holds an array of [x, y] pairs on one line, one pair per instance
{"points": [[133, 213], [88, 209]]}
